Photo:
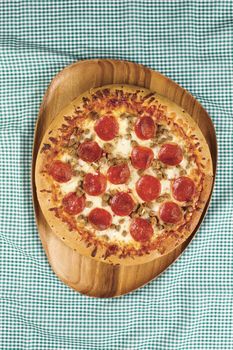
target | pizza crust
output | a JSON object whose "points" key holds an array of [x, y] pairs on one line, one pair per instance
{"points": [[207, 186], [182, 118], [73, 238]]}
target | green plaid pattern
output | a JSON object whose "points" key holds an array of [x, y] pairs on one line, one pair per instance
{"points": [[191, 305]]}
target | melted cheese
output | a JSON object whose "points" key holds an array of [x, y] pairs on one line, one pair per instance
{"points": [[96, 203], [156, 151], [123, 148], [70, 186], [172, 173], [65, 157], [123, 126], [184, 163], [113, 234], [165, 186], [86, 167]]}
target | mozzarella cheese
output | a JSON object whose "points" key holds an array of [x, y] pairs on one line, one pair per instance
{"points": [[70, 186], [122, 148], [172, 172]]}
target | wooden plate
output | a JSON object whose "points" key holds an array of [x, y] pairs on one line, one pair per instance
{"points": [[82, 273]]}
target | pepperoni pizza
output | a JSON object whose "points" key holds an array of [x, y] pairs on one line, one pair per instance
{"points": [[123, 174]]}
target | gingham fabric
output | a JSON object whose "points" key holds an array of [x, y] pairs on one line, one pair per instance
{"points": [[191, 305]]}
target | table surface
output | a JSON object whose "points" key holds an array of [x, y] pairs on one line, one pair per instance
{"points": [[191, 305]]}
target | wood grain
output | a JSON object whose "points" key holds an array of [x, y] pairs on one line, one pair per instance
{"points": [[81, 273]]}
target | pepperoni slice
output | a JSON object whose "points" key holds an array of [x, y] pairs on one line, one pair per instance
{"points": [[170, 212], [106, 128], [141, 230], [73, 204], [100, 219], [148, 188], [118, 174], [60, 171], [141, 157], [183, 189], [170, 154], [94, 184], [145, 128], [89, 151], [122, 204]]}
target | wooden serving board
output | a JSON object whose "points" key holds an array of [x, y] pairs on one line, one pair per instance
{"points": [[84, 274]]}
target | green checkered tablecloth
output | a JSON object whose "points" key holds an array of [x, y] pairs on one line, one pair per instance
{"points": [[191, 305]]}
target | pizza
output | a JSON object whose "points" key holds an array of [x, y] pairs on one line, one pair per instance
{"points": [[123, 174]]}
